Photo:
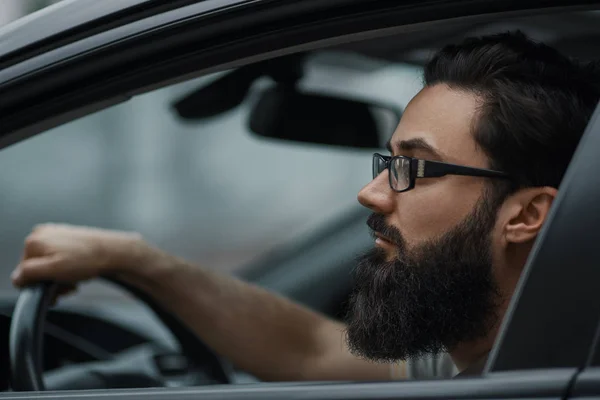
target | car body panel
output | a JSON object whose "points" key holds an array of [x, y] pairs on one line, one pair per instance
{"points": [[587, 384], [60, 51], [544, 384], [581, 207], [58, 20]]}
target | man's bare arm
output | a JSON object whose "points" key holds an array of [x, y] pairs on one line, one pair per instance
{"points": [[261, 332]]}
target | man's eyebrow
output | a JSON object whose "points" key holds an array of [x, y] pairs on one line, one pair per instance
{"points": [[414, 144]]}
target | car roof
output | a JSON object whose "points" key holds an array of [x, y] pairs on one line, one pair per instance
{"points": [[69, 20]]}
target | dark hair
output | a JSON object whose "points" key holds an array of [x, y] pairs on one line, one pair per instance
{"points": [[535, 105]]}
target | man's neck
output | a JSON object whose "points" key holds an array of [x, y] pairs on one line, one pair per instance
{"points": [[468, 353]]}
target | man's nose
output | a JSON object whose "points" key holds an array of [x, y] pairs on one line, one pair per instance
{"points": [[377, 195]]}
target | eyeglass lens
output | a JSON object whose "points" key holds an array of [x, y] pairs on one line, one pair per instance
{"points": [[379, 165], [400, 171]]}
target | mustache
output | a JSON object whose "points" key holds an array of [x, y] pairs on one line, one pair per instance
{"points": [[376, 222]]}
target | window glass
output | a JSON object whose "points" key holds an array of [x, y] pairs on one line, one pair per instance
{"points": [[208, 191]]}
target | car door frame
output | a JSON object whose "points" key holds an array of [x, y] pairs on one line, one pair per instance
{"points": [[501, 379], [107, 68], [559, 283], [577, 210]]}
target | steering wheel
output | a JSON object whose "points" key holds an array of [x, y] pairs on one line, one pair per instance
{"points": [[148, 365]]}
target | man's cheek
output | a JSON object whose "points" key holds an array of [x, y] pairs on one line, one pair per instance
{"points": [[423, 218]]}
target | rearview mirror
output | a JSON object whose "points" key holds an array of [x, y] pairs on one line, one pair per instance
{"points": [[283, 112]]}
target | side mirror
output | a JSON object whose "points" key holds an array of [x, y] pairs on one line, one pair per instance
{"points": [[283, 112]]}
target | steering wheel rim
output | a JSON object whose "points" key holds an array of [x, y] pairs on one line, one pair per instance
{"points": [[26, 336]]}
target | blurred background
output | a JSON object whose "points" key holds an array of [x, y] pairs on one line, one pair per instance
{"points": [[209, 192]]}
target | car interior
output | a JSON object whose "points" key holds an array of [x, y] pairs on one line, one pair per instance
{"points": [[251, 171]]}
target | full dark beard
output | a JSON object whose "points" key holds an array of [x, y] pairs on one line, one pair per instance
{"points": [[428, 301]]}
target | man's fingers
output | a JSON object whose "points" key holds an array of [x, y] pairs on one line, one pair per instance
{"points": [[38, 269], [35, 270], [35, 246]]}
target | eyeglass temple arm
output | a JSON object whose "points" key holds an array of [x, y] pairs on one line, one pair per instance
{"points": [[433, 169]]}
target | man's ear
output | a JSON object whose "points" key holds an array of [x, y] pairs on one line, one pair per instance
{"points": [[527, 210]]}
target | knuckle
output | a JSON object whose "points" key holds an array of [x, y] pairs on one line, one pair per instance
{"points": [[34, 240], [31, 241]]}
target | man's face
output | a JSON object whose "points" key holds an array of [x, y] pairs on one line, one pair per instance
{"points": [[428, 284]]}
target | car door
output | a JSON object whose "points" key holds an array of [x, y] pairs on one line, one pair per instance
{"points": [[581, 259], [535, 355]]}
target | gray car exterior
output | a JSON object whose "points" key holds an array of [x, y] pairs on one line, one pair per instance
{"points": [[547, 347]]}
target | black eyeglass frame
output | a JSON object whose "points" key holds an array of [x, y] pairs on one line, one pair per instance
{"points": [[419, 168]]}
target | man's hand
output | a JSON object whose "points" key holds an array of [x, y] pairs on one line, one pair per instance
{"points": [[70, 254]]}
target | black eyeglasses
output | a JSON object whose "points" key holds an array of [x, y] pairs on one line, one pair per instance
{"points": [[404, 171]]}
